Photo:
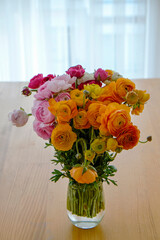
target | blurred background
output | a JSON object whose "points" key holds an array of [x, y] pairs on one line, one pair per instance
{"points": [[49, 36]]}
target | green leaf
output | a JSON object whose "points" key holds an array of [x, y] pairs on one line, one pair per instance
{"points": [[84, 170]]}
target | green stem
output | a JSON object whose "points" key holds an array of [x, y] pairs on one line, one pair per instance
{"points": [[143, 142], [29, 114], [85, 199]]}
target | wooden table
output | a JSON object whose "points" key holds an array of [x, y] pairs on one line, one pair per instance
{"points": [[33, 208]]}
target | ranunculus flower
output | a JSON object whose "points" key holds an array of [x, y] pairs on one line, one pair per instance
{"points": [[114, 119], [35, 82], [81, 85], [94, 90], [112, 144], [124, 85], [109, 94], [63, 137], [76, 71], [61, 83], [86, 77], [41, 112], [94, 114], [129, 137], [43, 130], [43, 92], [77, 97], [62, 97], [89, 155], [18, 118], [100, 75], [99, 145], [80, 121], [63, 110], [88, 177], [132, 97], [49, 77]]}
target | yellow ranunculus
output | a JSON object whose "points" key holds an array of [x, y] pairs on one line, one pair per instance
{"points": [[77, 96], [143, 96], [99, 145], [94, 90], [63, 137], [89, 155], [112, 144], [132, 97]]}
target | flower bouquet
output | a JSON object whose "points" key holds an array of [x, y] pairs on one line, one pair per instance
{"points": [[86, 117]]}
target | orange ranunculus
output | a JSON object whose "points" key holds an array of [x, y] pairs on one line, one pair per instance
{"points": [[94, 113], [88, 177], [63, 137], [77, 96], [124, 85], [109, 94], [129, 137], [80, 121], [139, 109], [110, 73], [63, 110], [114, 119]]}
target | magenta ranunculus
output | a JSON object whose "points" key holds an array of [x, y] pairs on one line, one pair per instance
{"points": [[100, 75], [18, 118], [76, 71], [43, 92], [35, 82], [43, 130], [41, 112], [62, 97], [81, 86], [60, 83], [49, 77]]}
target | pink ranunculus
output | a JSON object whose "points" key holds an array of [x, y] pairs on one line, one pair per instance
{"points": [[100, 75], [81, 86], [76, 71], [18, 118], [49, 77], [62, 97], [41, 112], [61, 83], [35, 82], [43, 92], [43, 130]]}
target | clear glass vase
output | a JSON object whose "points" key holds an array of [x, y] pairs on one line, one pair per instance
{"points": [[85, 204]]}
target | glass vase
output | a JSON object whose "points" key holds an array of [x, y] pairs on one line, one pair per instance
{"points": [[85, 204]]}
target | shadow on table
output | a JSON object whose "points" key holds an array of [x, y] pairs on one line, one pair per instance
{"points": [[96, 233]]}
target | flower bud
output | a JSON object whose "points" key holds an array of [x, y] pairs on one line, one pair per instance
{"points": [[132, 97], [149, 138], [78, 156], [118, 150], [26, 92]]}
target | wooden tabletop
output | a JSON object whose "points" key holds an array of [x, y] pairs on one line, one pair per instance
{"points": [[33, 208]]}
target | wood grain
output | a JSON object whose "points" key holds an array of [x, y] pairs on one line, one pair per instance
{"points": [[33, 208]]}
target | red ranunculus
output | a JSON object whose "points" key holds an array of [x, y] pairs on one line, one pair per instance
{"points": [[35, 82]]}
